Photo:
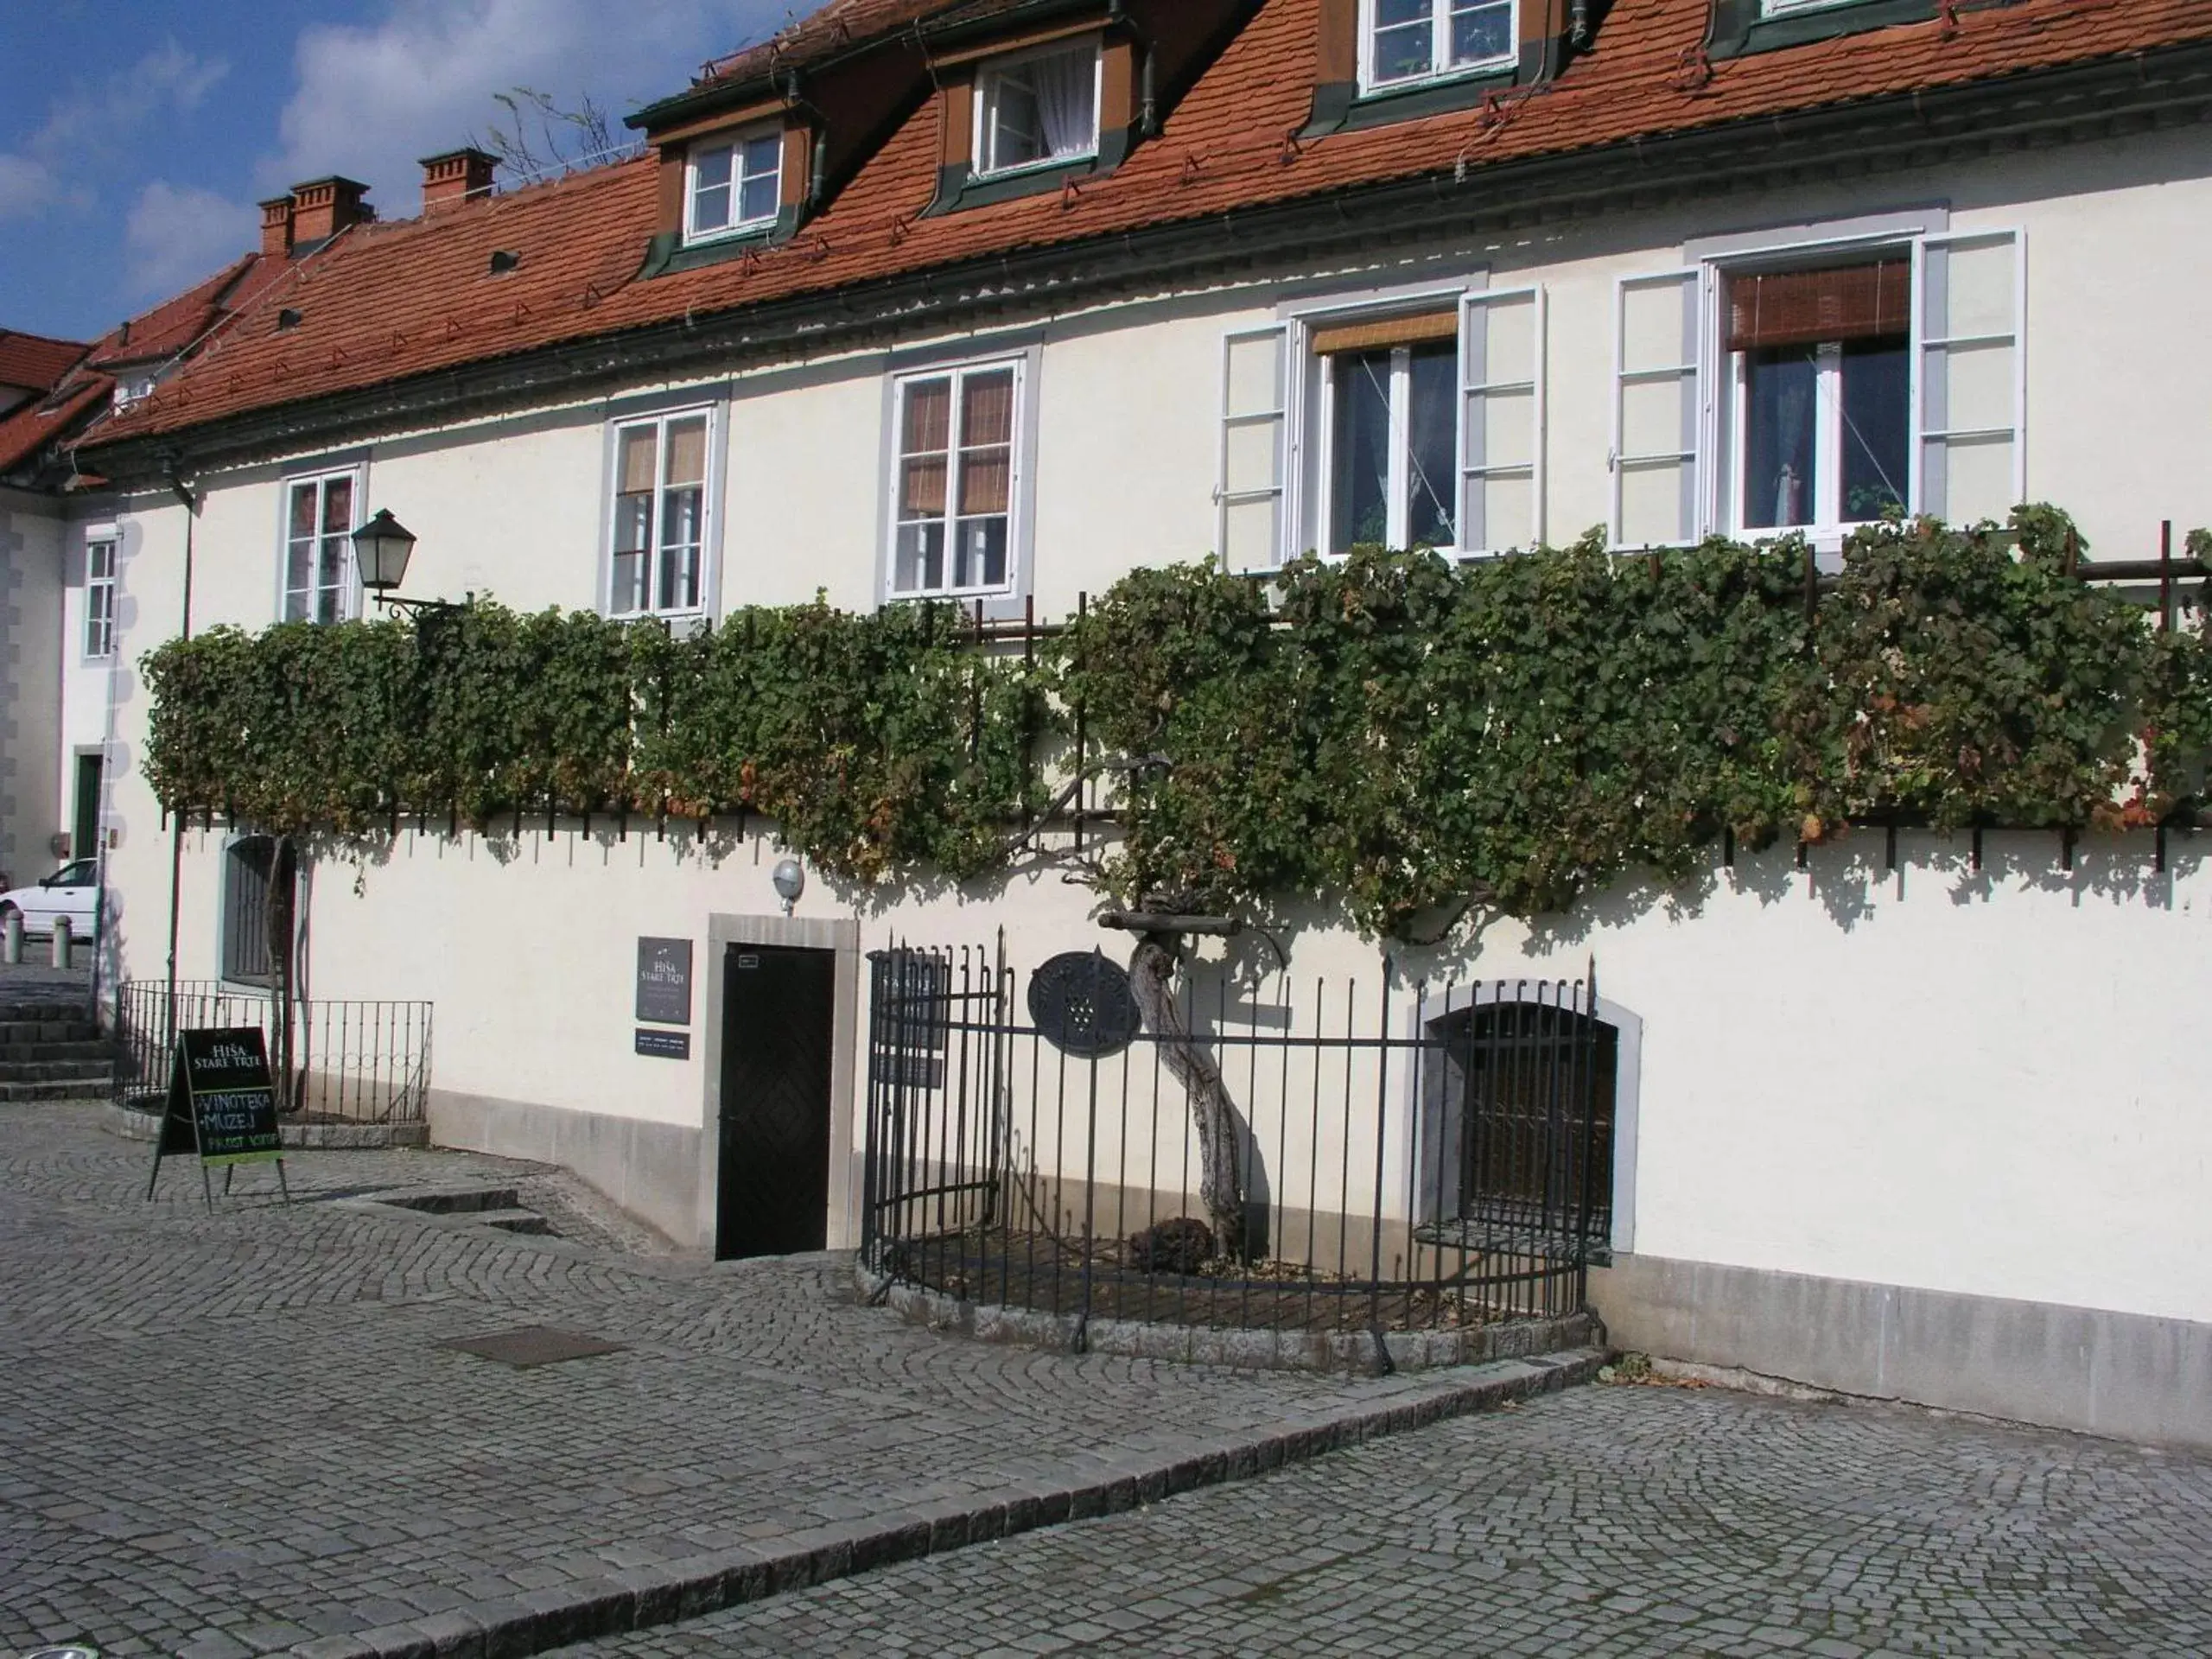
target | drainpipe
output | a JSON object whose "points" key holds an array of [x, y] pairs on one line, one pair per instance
{"points": [[176, 824]]}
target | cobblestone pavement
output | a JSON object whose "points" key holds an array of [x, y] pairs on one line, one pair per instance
{"points": [[1605, 1521], [237, 1432]]}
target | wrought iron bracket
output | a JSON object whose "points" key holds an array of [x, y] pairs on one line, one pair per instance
{"points": [[419, 607]]}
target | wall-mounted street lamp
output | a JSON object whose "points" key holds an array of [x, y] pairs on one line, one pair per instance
{"points": [[381, 549], [790, 879]]}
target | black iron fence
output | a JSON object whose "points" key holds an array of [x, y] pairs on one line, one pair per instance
{"points": [[355, 1062], [1406, 1157]]}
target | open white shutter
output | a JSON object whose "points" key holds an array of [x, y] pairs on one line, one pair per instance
{"points": [[1501, 419], [1969, 455], [1655, 421], [1255, 379]]}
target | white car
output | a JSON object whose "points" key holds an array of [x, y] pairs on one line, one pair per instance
{"points": [[71, 891]]}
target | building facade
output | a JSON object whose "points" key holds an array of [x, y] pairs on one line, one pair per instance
{"points": [[994, 304]]}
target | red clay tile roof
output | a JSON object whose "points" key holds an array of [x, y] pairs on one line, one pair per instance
{"points": [[45, 420], [176, 324], [830, 28], [401, 300], [36, 362]]}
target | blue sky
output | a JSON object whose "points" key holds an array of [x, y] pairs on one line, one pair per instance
{"points": [[137, 134]]}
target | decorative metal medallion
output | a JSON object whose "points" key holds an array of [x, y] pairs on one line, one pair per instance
{"points": [[1081, 1003]]}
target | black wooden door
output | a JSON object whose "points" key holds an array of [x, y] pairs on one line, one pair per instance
{"points": [[778, 1021]]}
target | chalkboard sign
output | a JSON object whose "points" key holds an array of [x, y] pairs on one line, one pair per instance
{"points": [[221, 1087], [222, 1102], [665, 982]]}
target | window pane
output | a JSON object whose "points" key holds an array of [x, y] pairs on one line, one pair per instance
{"points": [[1876, 422], [629, 593], [1014, 129], [337, 504], [679, 579], [303, 517], [634, 517], [710, 209], [1778, 413], [680, 510], [920, 563], [633, 470], [1432, 438], [763, 175], [1404, 38], [1481, 30], [928, 424], [921, 486], [299, 562], [980, 553], [987, 407], [1359, 435], [758, 203], [986, 480], [687, 451], [1066, 88], [101, 560]]}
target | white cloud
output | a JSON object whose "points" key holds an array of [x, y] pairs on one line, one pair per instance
{"points": [[25, 185], [372, 99], [87, 127], [175, 235]]}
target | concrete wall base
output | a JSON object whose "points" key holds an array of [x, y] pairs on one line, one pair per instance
{"points": [[2130, 1376], [651, 1169]]}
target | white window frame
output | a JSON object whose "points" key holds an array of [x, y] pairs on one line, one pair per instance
{"points": [[734, 142], [1307, 419], [993, 70], [1439, 36], [1777, 7], [98, 640], [957, 375], [660, 422], [1397, 524], [1725, 434], [349, 585]]}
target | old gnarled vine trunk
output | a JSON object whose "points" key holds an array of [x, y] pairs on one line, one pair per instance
{"points": [[1213, 1114]]}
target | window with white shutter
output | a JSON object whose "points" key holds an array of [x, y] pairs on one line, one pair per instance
{"points": [[1253, 408], [1970, 456], [1502, 419], [1656, 414]]}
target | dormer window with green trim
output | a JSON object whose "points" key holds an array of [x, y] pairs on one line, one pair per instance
{"points": [[1404, 42], [733, 185], [1037, 109]]}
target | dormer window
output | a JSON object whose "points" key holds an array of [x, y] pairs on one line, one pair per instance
{"points": [[1038, 109], [1405, 41], [732, 185]]}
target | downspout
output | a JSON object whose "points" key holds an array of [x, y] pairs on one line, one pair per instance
{"points": [[176, 818]]}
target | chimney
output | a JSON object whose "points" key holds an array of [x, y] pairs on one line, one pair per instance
{"points": [[276, 227], [322, 207], [457, 175]]}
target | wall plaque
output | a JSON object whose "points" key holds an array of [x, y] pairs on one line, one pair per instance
{"points": [[1082, 1004], [664, 982], [664, 1045]]}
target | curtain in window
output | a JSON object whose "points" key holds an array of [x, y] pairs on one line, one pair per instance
{"points": [[1066, 87]]}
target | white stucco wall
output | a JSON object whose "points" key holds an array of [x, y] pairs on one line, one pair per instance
{"points": [[31, 535]]}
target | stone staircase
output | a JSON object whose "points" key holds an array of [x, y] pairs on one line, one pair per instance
{"points": [[49, 1050]]}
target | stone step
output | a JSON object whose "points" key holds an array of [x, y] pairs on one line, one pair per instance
{"points": [[102, 1068], [73, 1048], [66, 1089], [451, 1200], [514, 1221], [47, 1026]]}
